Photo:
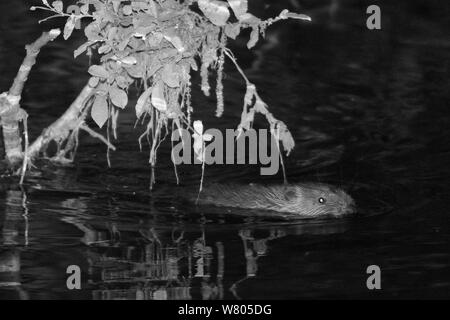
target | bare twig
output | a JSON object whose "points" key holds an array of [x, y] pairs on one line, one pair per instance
{"points": [[61, 128], [98, 136]]}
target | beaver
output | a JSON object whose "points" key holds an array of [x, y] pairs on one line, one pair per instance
{"points": [[308, 200]]}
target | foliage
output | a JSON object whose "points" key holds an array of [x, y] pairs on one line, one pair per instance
{"points": [[156, 44]]}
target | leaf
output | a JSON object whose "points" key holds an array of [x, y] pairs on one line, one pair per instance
{"points": [[85, 9], [136, 71], [285, 136], [174, 111], [246, 119], [158, 100], [142, 32], [112, 33], [102, 88], [153, 68], [184, 72], [177, 43], [123, 44], [216, 11], [168, 14], [99, 111], [118, 97], [285, 14], [193, 64], [288, 141], [127, 10], [232, 30], [129, 60], [81, 49], [298, 16], [116, 5], [98, 71], [254, 37], [104, 49], [260, 107], [152, 10], [93, 82], [250, 19], [155, 39], [199, 140], [70, 25], [58, 5], [92, 32], [140, 5], [172, 36], [171, 75], [239, 7], [122, 82], [140, 105], [198, 127], [249, 94], [167, 53]]}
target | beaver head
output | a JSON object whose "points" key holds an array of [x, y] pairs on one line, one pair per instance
{"points": [[317, 199]]}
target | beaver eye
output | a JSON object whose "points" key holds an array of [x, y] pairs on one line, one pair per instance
{"points": [[322, 200]]}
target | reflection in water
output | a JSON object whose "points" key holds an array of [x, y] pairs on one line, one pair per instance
{"points": [[148, 262], [166, 263], [15, 218]]}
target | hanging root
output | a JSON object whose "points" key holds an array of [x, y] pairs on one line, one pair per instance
{"points": [[25, 158], [172, 156], [278, 129], [153, 152]]}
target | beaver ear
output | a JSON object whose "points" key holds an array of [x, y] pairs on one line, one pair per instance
{"points": [[290, 194]]}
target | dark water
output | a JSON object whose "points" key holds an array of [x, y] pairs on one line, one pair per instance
{"points": [[368, 110]]}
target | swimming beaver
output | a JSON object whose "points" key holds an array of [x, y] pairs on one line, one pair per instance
{"points": [[302, 199]]}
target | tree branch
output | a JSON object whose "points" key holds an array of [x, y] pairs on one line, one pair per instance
{"points": [[60, 129], [10, 112]]}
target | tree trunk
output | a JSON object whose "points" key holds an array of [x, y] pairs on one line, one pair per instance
{"points": [[10, 112]]}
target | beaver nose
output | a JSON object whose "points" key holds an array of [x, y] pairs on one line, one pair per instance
{"points": [[347, 207], [351, 207]]}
